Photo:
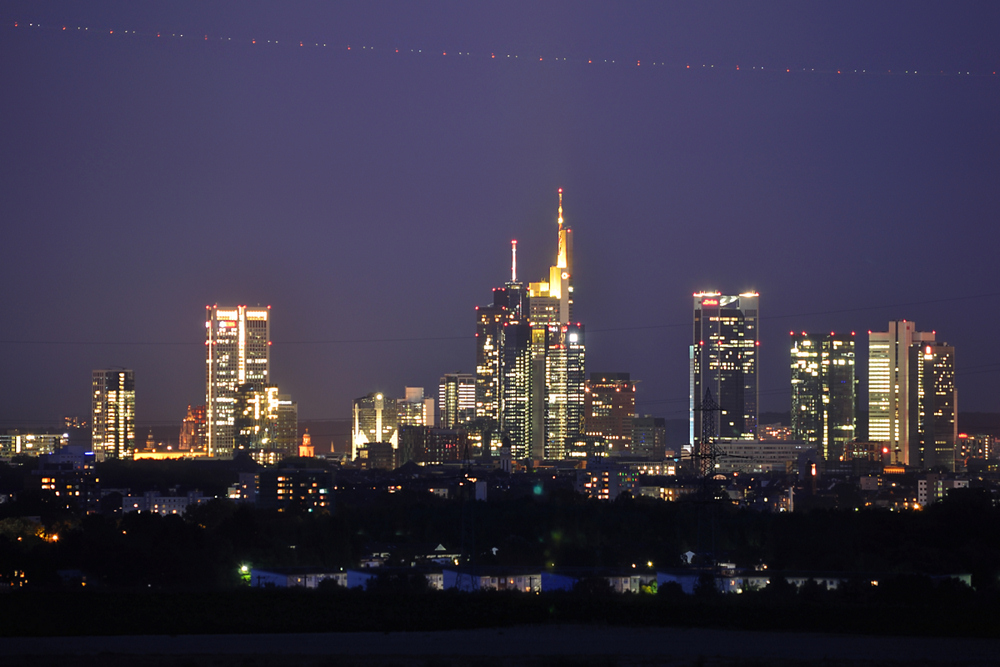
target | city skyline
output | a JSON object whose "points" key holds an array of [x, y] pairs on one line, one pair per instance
{"points": [[331, 187]]}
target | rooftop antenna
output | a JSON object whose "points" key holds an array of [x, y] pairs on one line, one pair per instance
{"points": [[513, 260]]}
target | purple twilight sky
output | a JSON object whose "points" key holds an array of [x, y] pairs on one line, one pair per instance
{"points": [[369, 195]]}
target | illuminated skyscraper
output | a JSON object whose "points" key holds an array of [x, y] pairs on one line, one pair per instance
{"points": [[238, 352], [558, 355], [911, 395], [415, 410], [565, 382], [510, 306], [489, 326], [375, 420], [266, 423], [889, 387], [551, 300], [516, 407], [503, 362], [609, 407], [113, 414], [530, 358], [823, 396], [938, 401], [723, 360], [255, 417], [286, 433], [456, 399]]}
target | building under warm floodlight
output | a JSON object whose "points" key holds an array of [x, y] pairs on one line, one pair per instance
{"points": [[375, 421]]}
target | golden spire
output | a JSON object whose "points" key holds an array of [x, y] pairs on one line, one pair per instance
{"points": [[560, 209]]}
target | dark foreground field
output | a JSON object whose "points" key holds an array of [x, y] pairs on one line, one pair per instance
{"points": [[349, 627], [528, 646], [931, 612]]}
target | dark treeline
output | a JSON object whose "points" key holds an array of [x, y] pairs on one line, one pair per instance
{"points": [[149, 573], [205, 548]]}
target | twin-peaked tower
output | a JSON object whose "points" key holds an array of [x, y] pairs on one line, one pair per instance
{"points": [[530, 358], [238, 354]]}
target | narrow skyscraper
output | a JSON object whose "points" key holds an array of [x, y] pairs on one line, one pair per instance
{"points": [[565, 381], [823, 396], [113, 414], [558, 354], [238, 349], [938, 411], [723, 362]]}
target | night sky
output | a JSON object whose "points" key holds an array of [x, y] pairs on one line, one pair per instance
{"points": [[370, 196]]}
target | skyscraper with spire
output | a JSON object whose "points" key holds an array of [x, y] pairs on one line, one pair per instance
{"points": [[530, 357], [503, 361], [552, 299], [510, 305]]}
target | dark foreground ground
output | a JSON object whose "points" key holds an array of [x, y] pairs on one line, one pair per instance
{"points": [[544, 646], [89, 613], [402, 628]]}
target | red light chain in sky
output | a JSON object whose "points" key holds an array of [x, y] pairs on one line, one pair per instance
{"points": [[491, 55]]}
